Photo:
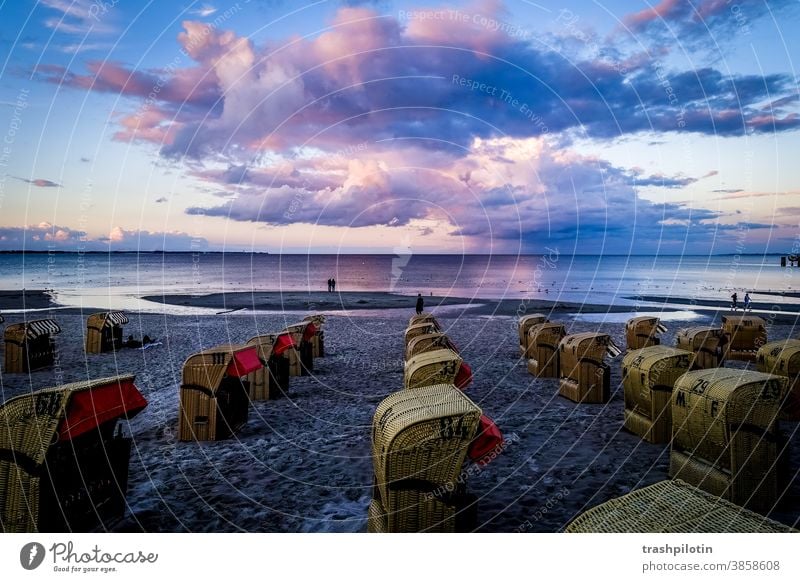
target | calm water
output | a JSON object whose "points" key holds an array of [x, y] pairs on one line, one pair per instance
{"points": [[116, 280]]}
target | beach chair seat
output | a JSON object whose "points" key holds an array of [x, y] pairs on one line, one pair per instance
{"points": [[424, 318], [705, 342], [29, 345], [418, 329], [744, 335], [523, 326], [420, 439], [782, 358], [427, 343], [648, 378], [63, 459], [318, 341], [725, 434], [214, 397], [442, 366], [672, 506], [642, 332], [585, 377], [542, 354], [104, 331], [303, 334]]}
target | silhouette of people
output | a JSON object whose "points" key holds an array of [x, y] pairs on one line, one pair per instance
{"points": [[330, 284], [734, 301], [333, 284], [420, 303], [747, 306]]}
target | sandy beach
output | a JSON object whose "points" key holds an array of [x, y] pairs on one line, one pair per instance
{"points": [[303, 464]]}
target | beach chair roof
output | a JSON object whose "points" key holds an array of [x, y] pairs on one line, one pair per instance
{"points": [[585, 340], [442, 366], [696, 332], [107, 319], [424, 317], [207, 368], [306, 328], [318, 319], [429, 342], [743, 320], [780, 357], [532, 319], [33, 329]]}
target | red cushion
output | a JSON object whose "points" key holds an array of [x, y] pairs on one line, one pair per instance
{"points": [[89, 409], [489, 439], [282, 343], [244, 362], [310, 332], [463, 376]]}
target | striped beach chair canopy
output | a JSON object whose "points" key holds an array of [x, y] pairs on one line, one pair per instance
{"points": [[108, 319], [35, 328]]}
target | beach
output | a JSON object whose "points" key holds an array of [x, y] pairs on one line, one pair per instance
{"points": [[303, 463]]}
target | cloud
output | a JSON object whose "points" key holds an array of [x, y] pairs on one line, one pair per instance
{"points": [[79, 17], [203, 11], [47, 236], [40, 182], [161, 200]]}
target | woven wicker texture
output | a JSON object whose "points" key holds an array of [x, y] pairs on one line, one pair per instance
{"points": [[376, 517], [28, 427], [648, 377], [524, 325], [28, 345], [418, 329], [260, 379], [424, 318], [724, 425], [744, 335], [783, 359], [427, 343], [672, 507], [104, 331], [203, 374], [542, 355], [318, 341], [419, 441], [705, 343], [430, 368], [642, 332], [301, 360], [585, 377]]}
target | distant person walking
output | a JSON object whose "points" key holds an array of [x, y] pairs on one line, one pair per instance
{"points": [[734, 301], [747, 306], [329, 284], [333, 284], [420, 303]]}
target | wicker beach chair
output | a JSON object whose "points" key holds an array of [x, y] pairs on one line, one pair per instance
{"points": [[104, 331], [424, 318], [271, 381], [782, 358], [318, 341], [705, 343], [523, 326], [585, 377], [443, 366], [648, 377], [30, 346], [725, 434], [642, 332], [63, 459], [672, 507], [303, 336], [420, 439], [543, 342], [214, 401], [418, 329], [744, 335], [429, 342]]}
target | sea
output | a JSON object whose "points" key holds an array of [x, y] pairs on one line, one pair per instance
{"points": [[119, 280]]}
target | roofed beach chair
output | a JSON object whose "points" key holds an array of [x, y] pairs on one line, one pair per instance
{"points": [[418, 329], [442, 366], [782, 358], [429, 342], [214, 400], [648, 377], [30, 346], [303, 334], [271, 380], [104, 331], [63, 459], [424, 318], [524, 324], [725, 434], [585, 377], [318, 341], [642, 332], [672, 507], [543, 342], [420, 439], [705, 343], [744, 335]]}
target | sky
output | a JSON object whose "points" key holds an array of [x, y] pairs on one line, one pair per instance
{"points": [[336, 126]]}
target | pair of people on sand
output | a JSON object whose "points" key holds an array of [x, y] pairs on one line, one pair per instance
{"points": [[735, 301], [331, 285]]}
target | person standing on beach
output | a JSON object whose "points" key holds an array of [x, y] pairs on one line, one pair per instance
{"points": [[333, 284], [329, 285], [747, 302], [420, 303], [734, 300]]}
